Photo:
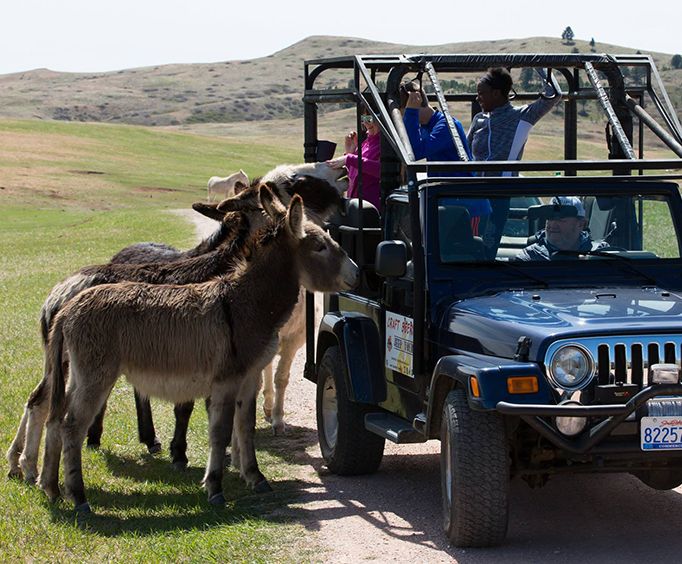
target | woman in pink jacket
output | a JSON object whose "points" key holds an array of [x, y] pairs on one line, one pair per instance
{"points": [[371, 164]]}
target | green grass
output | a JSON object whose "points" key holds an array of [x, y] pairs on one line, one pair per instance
{"points": [[99, 165], [143, 510]]}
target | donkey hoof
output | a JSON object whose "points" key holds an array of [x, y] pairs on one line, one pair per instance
{"points": [[93, 445], [217, 500], [262, 487], [279, 429], [52, 494], [14, 474], [83, 508], [180, 465], [155, 447]]}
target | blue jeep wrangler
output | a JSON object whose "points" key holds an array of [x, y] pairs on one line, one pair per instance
{"points": [[522, 368]]}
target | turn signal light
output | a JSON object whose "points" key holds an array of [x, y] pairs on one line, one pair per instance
{"points": [[474, 387], [522, 385]]}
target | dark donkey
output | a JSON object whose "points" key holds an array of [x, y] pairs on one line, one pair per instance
{"points": [[180, 343]]}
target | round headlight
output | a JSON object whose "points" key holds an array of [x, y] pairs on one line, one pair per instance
{"points": [[571, 366]]}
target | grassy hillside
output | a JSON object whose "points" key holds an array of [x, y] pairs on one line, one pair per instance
{"points": [[99, 166], [268, 88]]}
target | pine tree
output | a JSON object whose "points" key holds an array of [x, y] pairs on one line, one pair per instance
{"points": [[568, 35], [526, 77]]}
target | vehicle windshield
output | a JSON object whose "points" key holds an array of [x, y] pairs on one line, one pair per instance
{"points": [[558, 227]]}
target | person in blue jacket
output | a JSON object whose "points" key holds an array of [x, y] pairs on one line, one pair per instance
{"points": [[430, 137]]}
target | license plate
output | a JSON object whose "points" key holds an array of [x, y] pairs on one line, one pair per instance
{"points": [[661, 433]]}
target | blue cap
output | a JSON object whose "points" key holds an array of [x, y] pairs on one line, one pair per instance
{"points": [[573, 201]]}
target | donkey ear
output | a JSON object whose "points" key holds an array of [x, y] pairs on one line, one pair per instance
{"points": [[269, 202], [246, 200], [296, 216], [209, 210]]}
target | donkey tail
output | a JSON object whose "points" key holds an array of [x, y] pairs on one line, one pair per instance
{"points": [[54, 369]]}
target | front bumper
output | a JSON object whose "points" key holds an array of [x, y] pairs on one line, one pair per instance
{"points": [[613, 415]]}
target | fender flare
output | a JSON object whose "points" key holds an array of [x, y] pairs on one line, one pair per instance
{"points": [[358, 333], [456, 370]]}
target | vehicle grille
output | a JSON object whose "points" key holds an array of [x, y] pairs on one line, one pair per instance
{"points": [[626, 359]]}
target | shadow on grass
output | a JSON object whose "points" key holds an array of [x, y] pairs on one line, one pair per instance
{"points": [[291, 447], [151, 511], [149, 468], [117, 513]]}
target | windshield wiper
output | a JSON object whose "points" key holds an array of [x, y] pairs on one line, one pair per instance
{"points": [[623, 260]]}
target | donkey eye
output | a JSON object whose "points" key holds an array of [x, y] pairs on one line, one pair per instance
{"points": [[319, 247]]}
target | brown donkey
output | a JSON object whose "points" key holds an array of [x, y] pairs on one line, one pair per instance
{"points": [[234, 232], [321, 198], [181, 342]]}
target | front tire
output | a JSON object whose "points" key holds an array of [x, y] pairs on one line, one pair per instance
{"points": [[347, 447], [474, 474]]}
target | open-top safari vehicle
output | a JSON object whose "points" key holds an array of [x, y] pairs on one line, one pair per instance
{"points": [[520, 368]]}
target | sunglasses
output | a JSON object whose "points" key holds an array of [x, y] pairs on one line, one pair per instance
{"points": [[367, 119]]}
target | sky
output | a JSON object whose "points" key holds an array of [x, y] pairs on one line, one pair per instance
{"points": [[94, 36]]}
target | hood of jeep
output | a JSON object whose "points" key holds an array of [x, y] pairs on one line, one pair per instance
{"points": [[493, 324]]}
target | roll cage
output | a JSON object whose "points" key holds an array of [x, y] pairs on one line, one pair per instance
{"points": [[374, 83]]}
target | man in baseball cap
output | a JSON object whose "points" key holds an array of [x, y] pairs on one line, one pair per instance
{"points": [[565, 230]]}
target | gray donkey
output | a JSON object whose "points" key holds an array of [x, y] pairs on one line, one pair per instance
{"points": [[182, 342]]}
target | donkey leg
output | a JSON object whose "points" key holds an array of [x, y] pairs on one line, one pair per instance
{"points": [[228, 458], [96, 429], [49, 475], [37, 409], [235, 451], [268, 392], [286, 358], [245, 428], [145, 424], [84, 403], [178, 446], [16, 448], [221, 417]]}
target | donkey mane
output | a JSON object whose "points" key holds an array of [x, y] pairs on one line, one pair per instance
{"points": [[149, 252], [226, 257]]}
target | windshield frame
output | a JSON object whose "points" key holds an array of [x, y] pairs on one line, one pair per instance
{"points": [[482, 277]]}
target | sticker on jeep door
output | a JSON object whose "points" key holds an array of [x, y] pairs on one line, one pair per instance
{"points": [[399, 343]]}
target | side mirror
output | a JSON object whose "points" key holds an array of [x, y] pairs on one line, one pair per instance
{"points": [[391, 259]]}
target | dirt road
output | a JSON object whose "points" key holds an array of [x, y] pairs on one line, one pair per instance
{"points": [[394, 515]]}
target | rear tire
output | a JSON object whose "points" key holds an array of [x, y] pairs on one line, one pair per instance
{"points": [[474, 474], [347, 447]]}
